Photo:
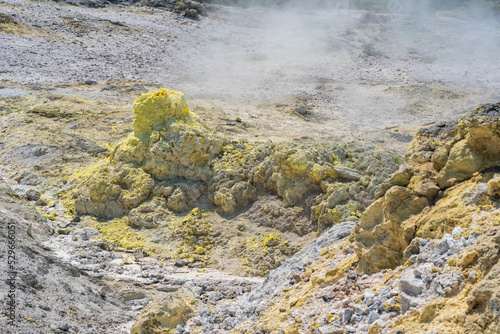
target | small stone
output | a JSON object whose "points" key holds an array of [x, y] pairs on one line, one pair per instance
{"points": [[359, 309], [347, 173], [131, 294], [472, 274], [439, 262], [192, 13], [181, 263], [345, 314], [444, 245], [330, 329], [352, 275], [33, 195], [372, 317], [455, 248], [415, 302], [42, 202], [64, 231], [62, 325], [228, 322], [422, 258], [350, 329], [167, 287], [413, 259], [197, 265], [457, 230], [385, 292], [405, 302], [197, 321], [420, 271], [363, 328], [450, 283], [369, 293], [408, 283]]}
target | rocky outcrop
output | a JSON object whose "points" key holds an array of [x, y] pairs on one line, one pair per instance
{"points": [[169, 143], [172, 163], [435, 191], [164, 314], [172, 155]]}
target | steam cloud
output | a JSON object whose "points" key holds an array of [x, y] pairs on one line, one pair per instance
{"points": [[291, 47]]}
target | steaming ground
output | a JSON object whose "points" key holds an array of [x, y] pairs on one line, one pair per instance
{"points": [[299, 75]]}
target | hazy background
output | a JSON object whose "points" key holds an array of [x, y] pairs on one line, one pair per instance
{"points": [[289, 47]]}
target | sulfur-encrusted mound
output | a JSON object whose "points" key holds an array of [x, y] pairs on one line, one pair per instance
{"points": [[168, 143], [173, 163], [173, 155]]}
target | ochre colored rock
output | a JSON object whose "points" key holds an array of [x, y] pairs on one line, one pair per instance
{"points": [[148, 214], [168, 142], [164, 314], [113, 191], [380, 236], [477, 149], [485, 297], [441, 161], [494, 186], [462, 162], [224, 199]]}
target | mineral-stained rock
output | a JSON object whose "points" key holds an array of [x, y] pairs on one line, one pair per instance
{"points": [[477, 149], [184, 196], [171, 153], [462, 162], [494, 186], [148, 214], [410, 284], [438, 158], [241, 194], [164, 314], [380, 236], [168, 140], [113, 191]]}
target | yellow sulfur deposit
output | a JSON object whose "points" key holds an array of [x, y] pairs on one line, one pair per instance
{"points": [[156, 109]]}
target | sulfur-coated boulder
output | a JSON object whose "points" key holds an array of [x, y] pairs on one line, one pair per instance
{"points": [[477, 148], [113, 190], [164, 314], [381, 237], [440, 160], [494, 186], [169, 143]]}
